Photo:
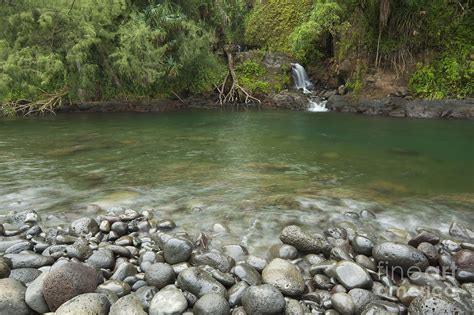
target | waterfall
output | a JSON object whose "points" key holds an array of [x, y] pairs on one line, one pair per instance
{"points": [[300, 78], [317, 105], [302, 82]]}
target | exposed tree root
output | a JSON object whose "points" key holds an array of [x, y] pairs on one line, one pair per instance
{"points": [[230, 92], [47, 104]]}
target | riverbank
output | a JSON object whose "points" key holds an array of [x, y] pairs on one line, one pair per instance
{"points": [[391, 106], [130, 262]]}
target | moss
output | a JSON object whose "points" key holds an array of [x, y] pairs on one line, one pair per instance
{"points": [[258, 79], [270, 23]]}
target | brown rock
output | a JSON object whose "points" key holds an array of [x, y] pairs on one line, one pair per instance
{"points": [[68, 281]]}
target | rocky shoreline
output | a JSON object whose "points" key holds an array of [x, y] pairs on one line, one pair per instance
{"points": [[129, 262], [392, 106]]}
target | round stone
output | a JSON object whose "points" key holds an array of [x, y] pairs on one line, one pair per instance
{"points": [[34, 295], [284, 276], [145, 294], [342, 302], [159, 275], [12, 297], [170, 299], [211, 304], [4, 270], [127, 305], [102, 259], [67, 281], [352, 275], [360, 298], [464, 259], [83, 227], [362, 245], [118, 287], [263, 299], [283, 251], [215, 259], [85, 304], [199, 282], [25, 275], [177, 250], [248, 274], [293, 235], [400, 257]]}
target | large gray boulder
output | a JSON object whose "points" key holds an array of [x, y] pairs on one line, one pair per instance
{"points": [[12, 297]]}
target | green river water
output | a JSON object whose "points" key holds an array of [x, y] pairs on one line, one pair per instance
{"points": [[253, 172]]}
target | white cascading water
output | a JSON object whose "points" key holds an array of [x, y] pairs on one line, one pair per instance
{"points": [[302, 82], [300, 78]]}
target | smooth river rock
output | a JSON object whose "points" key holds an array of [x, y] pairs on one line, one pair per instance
{"points": [[127, 305], [25, 275], [102, 258], [342, 302], [12, 297], [464, 259], [34, 295], [429, 303], [263, 299], [83, 227], [352, 275], [199, 282], [29, 259], [400, 257], [159, 275], [211, 304], [177, 250], [67, 281], [294, 235], [284, 276], [215, 259], [85, 304], [169, 300]]}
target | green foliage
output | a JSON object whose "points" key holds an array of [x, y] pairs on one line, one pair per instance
{"points": [[356, 81], [325, 19], [271, 22], [251, 76]]}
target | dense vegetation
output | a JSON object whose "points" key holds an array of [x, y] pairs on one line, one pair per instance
{"points": [[97, 50]]}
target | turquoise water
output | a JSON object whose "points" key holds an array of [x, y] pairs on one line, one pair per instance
{"points": [[251, 171]]}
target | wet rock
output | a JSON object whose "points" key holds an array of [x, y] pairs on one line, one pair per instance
{"points": [[125, 240], [461, 232], [119, 288], [159, 275], [119, 228], [199, 282], [80, 250], [102, 259], [177, 250], [361, 298], [4, 270], [362, 245], [28, 259], [283, 251], [237, 252], [430, 252], [25, 275], [322, 282], [166, 224], [342, 302], [464, 259], [424, 237], [366, 262], [293, 235], [34, 295], [211, 304], [67, 281], [284, 276], [294, 307], [170, 299], [382, 308], [248, 274], [123, 271], [400, 257], [19, 247], [85, 304], [465, 275], [352, 275], [127, 305], [26, 217], [429, 303], [84, 227], [257, 262], [236, 292], [145, 294], [12, 297], [263, 299], [214, 259], [407, 292], [6, 242]]}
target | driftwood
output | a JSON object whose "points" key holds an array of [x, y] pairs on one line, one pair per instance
{"points": [[48, 104], [230, 92]]}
